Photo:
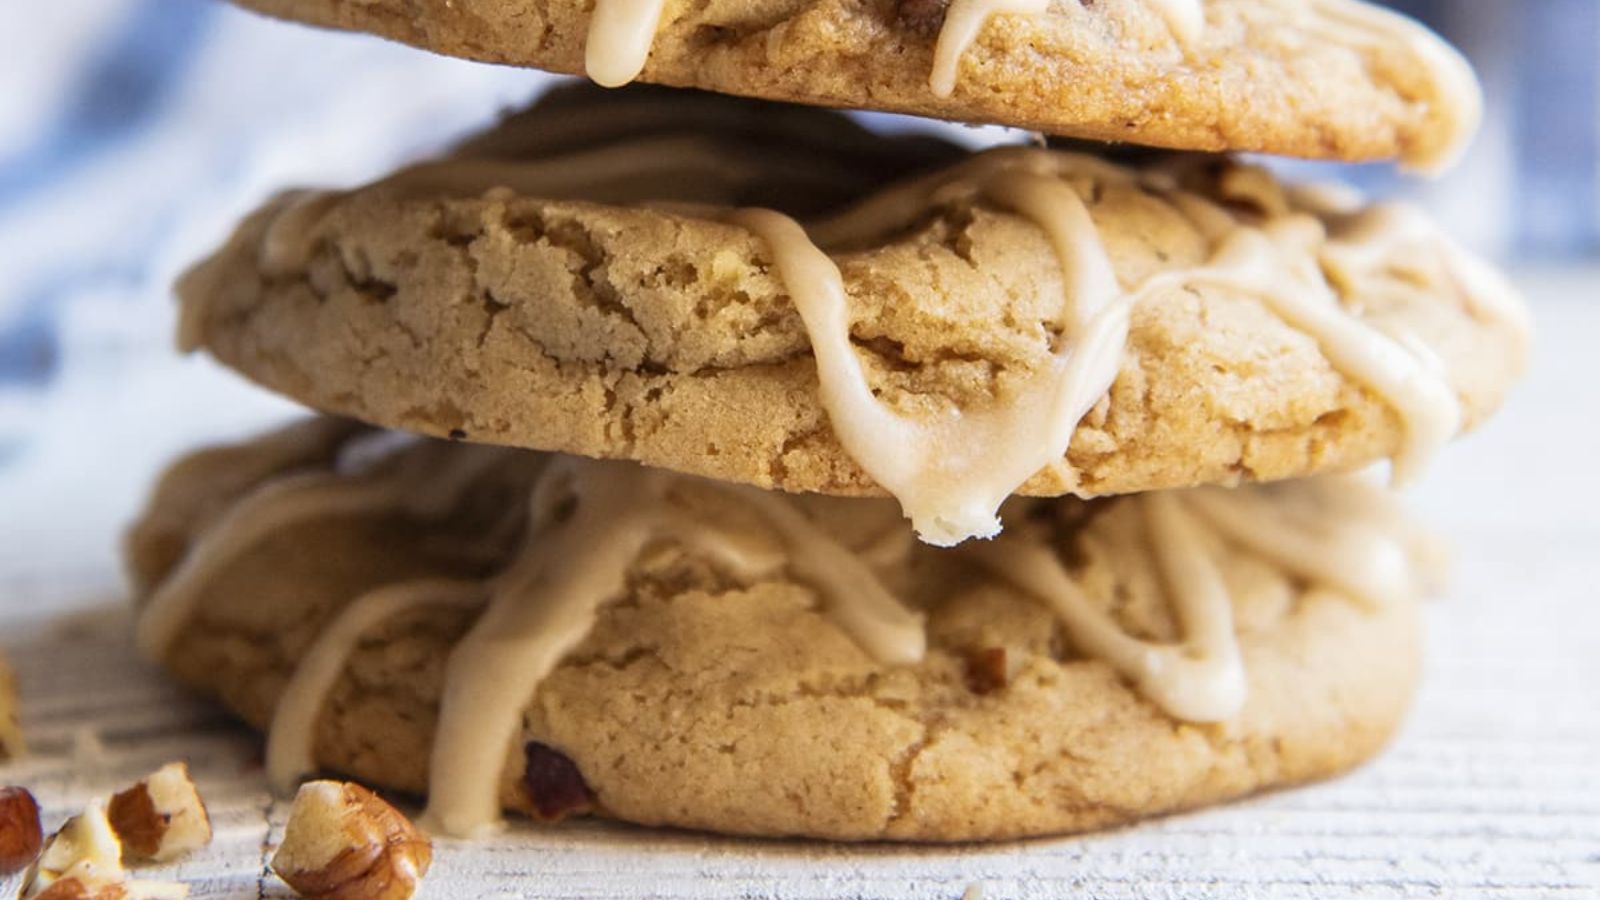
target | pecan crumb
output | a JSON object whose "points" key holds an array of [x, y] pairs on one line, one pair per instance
{"points": [[553, 783], [986, 670], [343, 842], [21, 836], [134, 818], [161, 817]]}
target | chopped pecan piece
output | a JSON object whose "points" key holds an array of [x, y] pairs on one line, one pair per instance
{"points": [[987, 671], [21, 836]]}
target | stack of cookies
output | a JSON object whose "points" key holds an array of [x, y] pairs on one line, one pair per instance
{"points": [[715, 462]]}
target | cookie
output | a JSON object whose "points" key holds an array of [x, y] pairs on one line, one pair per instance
{"points": [[552, 635], [1336, 79], [623, 276]]}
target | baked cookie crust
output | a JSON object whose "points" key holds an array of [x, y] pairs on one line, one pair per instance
{"points": [[1331, 79], [444, 302], [703, 700]]}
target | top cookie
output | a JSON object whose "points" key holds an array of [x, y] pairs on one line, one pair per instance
{"points": [[1020, 319], [1332, 79]]}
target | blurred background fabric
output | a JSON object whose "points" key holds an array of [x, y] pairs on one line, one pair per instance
{"points": [[134, 132], [1531, 186]]}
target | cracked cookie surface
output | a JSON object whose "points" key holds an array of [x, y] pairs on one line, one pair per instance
{"points": [[569, 314], [700, 701], [1273, 76]]}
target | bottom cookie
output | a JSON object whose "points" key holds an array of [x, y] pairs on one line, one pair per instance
{"points": [[502, 629]]}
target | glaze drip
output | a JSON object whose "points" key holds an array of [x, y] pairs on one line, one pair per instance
{"points": [[1186, 18], [620, 35], [292, 733], [952, 472], [1455, 99], [590, 521], [420, 486], [1341, 533], [963, 20]]}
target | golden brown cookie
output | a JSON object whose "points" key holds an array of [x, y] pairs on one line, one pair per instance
{"points": [[580, 280], [1340, 79], [722, 658]]}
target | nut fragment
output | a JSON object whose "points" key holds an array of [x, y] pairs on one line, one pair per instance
{"points": [[554, 784], [20, 834], [162, 817], [987, 670], [343, 842], [11, 745], [83, 861]]}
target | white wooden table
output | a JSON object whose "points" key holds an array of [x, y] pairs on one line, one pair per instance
{"points": [[1493, 788]]}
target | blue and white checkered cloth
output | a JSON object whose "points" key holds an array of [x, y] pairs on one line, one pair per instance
{"points": [[132, 131]]}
